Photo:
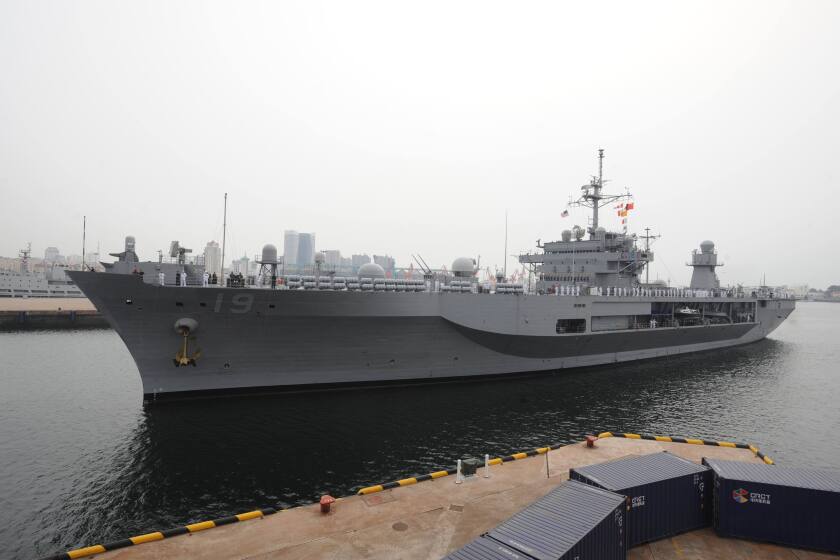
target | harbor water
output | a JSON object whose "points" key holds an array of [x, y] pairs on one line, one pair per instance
{"points": [[82, 461]]}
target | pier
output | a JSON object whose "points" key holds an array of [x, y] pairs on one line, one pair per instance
{"points": [[429, 516], [49, 313]]}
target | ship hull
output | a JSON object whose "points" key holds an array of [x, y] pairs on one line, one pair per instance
{"points": [[250, 340]]}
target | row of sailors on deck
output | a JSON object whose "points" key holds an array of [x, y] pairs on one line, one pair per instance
{"points": [[181, 278], [615, 291]]}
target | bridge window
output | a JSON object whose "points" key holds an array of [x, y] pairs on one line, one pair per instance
{"points": [[571, 326]]}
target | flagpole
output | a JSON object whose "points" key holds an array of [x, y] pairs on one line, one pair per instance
{"points": [[506, 240]]}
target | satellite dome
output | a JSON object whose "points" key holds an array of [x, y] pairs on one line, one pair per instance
{"points": [[707, 247], [566, 235], [269, 254], [371, 270], [463, 267]]}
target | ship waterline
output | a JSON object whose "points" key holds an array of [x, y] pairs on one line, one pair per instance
{"points": [[240, 339]]}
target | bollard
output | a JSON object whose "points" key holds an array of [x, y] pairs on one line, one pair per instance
{"points": [[459, 478], [590, 441], [486, 466], [326, 502]]}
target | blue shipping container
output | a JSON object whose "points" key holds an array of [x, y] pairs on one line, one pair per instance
{"points": [[573, 521], [789, 506], [666, 494], [485, 548]]}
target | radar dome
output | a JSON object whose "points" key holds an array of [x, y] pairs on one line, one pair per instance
{"points": [[463, 267], [566, 235], [129, 242], [707, 247], [371, 270], [269, 254]]}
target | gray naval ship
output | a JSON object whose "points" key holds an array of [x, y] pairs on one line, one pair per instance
{"points": [[587, 306]]}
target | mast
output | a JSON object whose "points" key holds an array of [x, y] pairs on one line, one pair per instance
{"points": [[647, 237], [596, 191], [224, 236], [592, 196], [506, 239], [24, 258], [84, 230]]}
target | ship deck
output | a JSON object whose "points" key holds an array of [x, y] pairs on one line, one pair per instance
{"points": [[431, 519]]}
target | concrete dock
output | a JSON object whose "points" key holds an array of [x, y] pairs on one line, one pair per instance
{"points": [[430, 519], [49, 313]]}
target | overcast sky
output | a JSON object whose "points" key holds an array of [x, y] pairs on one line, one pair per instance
{"points": [[403, 128]]}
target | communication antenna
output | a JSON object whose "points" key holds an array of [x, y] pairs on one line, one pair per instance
{"points": [[592, 196], [224, 235], [648, 237], [24, 258], [506, 240]]}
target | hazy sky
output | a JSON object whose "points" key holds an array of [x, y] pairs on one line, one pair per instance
{"points": [[403, 128]]}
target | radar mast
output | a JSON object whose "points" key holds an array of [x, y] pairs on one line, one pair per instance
{"points": [[592, 196]]}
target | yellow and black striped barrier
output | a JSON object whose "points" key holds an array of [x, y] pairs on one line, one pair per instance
{"points": [[691, 441], [160, 535], [260, 513], [542, 450], [441, 474]]}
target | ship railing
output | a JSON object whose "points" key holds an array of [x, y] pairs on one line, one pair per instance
{"points": [[623, 291]]}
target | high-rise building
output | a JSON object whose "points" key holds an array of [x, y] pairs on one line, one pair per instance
{"points": [[386, 262], [306, 249], [52, 255], [290, 247], [332, 257], [241, 266], [358, 260], [213, 259]]}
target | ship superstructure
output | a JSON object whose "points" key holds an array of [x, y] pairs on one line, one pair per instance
{"points": [[587, 306], [52, 282]]}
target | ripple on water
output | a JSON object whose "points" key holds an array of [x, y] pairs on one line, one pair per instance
{"points": [[82, 462]]}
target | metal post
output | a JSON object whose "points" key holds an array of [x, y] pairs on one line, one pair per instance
{"points": [[459, 478], [224, 237], [486, 466], [506, 241], [546, 465]]}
